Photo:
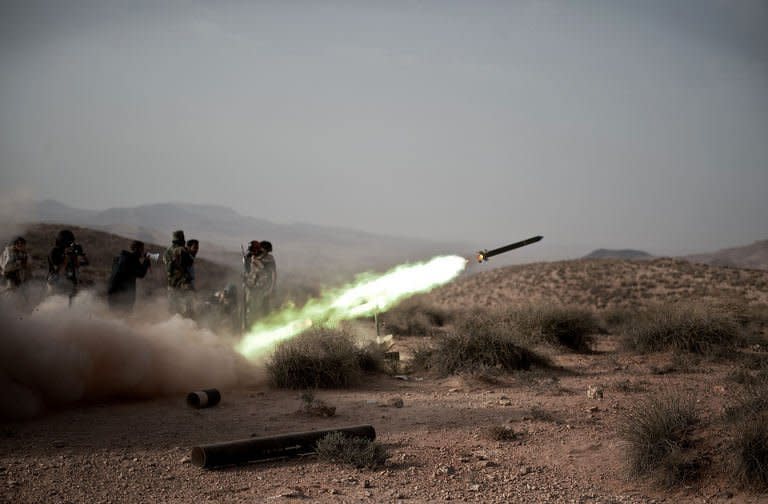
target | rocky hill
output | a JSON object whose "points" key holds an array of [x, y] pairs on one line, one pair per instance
{"points": [[749, 256], [604, 283], [618, 254]]}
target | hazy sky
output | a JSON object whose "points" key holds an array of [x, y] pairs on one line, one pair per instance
{"points": [[609, 123]]}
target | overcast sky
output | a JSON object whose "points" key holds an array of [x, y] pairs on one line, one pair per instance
{"points": [[610, 123]]}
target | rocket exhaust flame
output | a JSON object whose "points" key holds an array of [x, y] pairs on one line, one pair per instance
{"points": [[368, 294]]}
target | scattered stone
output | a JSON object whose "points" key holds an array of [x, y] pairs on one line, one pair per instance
{"points": [[396, 402], [525, 470], [446, 469], [474, 488], [593, 409], [505, 402], [719, 389], [294, 493], [594, 392], [185, 460]]}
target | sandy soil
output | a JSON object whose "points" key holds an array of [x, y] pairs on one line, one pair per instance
{"points": [[568, 449]]}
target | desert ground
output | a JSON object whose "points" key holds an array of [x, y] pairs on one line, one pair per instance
{"points": [[564, 445]]}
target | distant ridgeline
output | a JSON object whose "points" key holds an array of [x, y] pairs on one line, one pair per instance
{"points": [[618, 254]]}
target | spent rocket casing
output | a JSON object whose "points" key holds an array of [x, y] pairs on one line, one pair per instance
{"points": [[483, 255]]}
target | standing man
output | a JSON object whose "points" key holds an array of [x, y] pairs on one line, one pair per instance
{"points": [[193, 247], [178, 261], [64, 263], [269, 277], [260, 277], [126, 268], [14, 264]]}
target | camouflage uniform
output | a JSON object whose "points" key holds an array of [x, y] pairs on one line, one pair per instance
{"points": [[14, 264], [178, 262], [259, 285]]}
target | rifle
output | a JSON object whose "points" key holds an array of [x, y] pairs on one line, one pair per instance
{"points": [[244, 321]]}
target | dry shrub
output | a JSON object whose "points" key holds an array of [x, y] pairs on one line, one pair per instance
{"points": [[750, 402], [750, 449], [355, 451], [502, 433], [683, 328], [658, 437], [319, 358], [479, 343], [414, 318], [557, 325], [617, 319]]}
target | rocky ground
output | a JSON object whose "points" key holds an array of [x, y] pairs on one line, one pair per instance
{"points": [[566, 449]]}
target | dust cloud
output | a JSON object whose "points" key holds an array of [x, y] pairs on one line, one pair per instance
{"points": [[58, 355]]}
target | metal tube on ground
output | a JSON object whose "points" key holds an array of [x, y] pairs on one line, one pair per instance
{"points": [[268, 447], [204, 398]]}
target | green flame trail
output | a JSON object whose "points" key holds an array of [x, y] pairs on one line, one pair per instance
{"points": [[368, 294]]}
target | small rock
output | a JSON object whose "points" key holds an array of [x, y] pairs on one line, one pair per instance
{"points": [[396, 402], [593, 409], [453, 390], [505, 402], [474, 488], [185, 460], [488, 463], [294, 493], [59, 444], [366, 484], [445, 470], [525, 470], [594, 392]]}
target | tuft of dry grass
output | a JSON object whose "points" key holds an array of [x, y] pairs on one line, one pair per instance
{"points": [[478, 344], [502, 433], [658, 437], [319, 358], [750, 450], [698, 329], [570, 327], [414, 318], [358, 452]]}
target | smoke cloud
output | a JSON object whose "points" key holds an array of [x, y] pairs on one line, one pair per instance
{"points": [[59, 355]]}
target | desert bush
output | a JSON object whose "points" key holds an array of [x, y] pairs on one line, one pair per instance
{"points": [[480, 342], [750, 450], [658, 438], [683, 328], [750, 402], [569, 327], [616, 319], [414, 318], [502, 433], [319, 358], [358, 452]]}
